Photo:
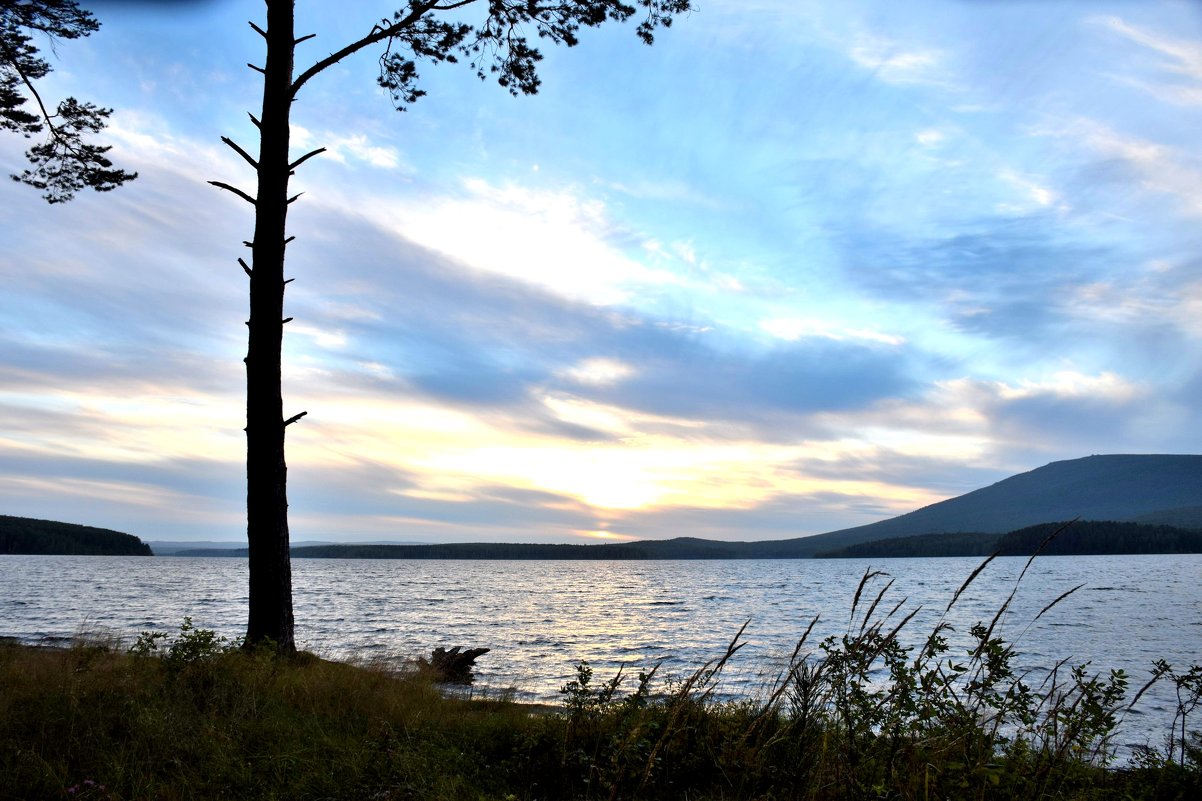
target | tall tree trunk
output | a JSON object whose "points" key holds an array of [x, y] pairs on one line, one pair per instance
{"points": [[266, 472]]}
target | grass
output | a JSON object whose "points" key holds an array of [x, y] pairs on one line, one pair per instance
{"points": [[857, 716]]}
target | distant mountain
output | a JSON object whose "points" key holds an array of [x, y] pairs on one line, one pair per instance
{"points": [[26, 535], [1164, 489]]}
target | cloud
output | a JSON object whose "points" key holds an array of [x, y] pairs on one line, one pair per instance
{"points": [[598, 371], [441, 328], [963, 433], [1065, 412], [1068, 384], [159, 498], [448, 457], [812, 506], [898, 63], [1180, 58], [1037, 193], [930, 137], [1004, 277], [1156, 168], [1158, 306], [345, 148], [558, 240], [692, 380], [792, 329]]}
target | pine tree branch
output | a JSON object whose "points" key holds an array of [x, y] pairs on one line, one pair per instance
{"points": [[305, 158], [240, 152], [378, 34], [235, 190], [15, 63], [65, 145]]}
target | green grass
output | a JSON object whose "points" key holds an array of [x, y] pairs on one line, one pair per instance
{"points": [[857, 716]]}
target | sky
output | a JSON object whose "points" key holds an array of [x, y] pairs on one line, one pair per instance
{"points": [[797, 267]]}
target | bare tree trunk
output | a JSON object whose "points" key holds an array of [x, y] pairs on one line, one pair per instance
{"points": [[266, 472]]}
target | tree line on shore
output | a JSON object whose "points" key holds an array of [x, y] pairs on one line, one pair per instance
{"points": [[1082, 537], [20, 535]]}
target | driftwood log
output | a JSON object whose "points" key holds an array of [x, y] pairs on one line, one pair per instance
{"points": [[453, 666]]}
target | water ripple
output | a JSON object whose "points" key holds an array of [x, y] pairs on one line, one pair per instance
{"points": [[541, 618]]}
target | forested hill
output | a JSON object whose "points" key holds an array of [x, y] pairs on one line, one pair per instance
{"points": [[1099, 537], [1080, 538], [25, 535]]}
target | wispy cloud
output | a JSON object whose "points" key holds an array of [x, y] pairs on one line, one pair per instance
{"points": [[1156, 167], [1035, 192], [930, 137], [792, 329], [598, 371], [898, 62], [1180, 58], [343, 148]]}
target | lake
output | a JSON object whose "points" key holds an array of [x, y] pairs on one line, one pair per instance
{"points": [[541, 617]]}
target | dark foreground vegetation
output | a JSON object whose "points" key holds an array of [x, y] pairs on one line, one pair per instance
{"points": [[858, 716], [25, 535]]}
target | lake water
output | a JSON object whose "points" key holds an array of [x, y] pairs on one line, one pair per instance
{"points": [[541, 617]]}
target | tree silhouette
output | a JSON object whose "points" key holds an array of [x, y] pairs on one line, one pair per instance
{"points": [[432, 31], [64, 163]]}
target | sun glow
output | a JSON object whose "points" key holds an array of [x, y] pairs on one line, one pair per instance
{"points": [[639, 471], [601, 534]]}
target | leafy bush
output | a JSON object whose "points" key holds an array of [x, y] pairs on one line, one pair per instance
{"points": [[191, 646]]}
